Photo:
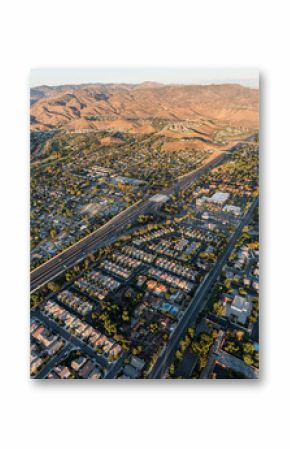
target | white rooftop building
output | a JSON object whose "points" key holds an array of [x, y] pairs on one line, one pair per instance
{"points": [[220, 197], [235, 210], [240, 308], [159, 198]]}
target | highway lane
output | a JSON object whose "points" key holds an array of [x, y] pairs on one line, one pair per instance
{"points": [[198, 302], [55, 266], [110, 231], [186, 180]]}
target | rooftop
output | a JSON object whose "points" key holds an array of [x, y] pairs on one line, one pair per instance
{"points": [[159, 198], [220, 197]]}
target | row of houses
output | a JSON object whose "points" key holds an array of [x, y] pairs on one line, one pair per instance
{"points": [[94, 338], [116, 269], [78, 304], [125, 261], [81, 367], [44, 345], [176, 268], [152, 235], [138, 254], [171, 280]]}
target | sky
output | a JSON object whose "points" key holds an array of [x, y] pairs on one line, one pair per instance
{"points": [[188, 75]]}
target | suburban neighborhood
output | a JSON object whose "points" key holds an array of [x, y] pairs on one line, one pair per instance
{"points": [[173, 291]]}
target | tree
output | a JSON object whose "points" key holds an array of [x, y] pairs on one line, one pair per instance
{"points": [[248, 359], [196, 348], [190, 332], [125, 316], [218, 309], [172, 369], [53, 287], [52, 233], [35, 299], [227, 283], [231, 347], [248, 348]]}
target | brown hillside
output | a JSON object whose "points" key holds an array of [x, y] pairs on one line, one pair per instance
{"points": [[133, 107]]}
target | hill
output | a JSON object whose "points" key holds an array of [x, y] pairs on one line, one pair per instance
{"points": [[144, 108]]}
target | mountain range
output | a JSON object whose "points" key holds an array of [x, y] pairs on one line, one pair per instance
{"points": [[144, 108]]}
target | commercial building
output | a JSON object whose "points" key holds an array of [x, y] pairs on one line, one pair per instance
{"points": [[235, 210], [240, 308], [217, 198]]}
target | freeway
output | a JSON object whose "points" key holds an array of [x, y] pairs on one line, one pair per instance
{"points": [[101, 237], [199, 301], [109, 232]]}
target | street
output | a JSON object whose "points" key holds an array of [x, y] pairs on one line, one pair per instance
{"points": [[198, 301], [110, 231]]}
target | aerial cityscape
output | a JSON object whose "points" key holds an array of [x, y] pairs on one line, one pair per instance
{"points": [[144, 230]]}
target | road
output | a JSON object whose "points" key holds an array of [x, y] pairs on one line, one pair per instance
{"points": [[199, 300], [70, 338], [73, 342], [54, 361], [109, 232], [113, 371], [76, 253]]}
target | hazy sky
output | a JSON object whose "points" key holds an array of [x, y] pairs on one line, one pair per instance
{"points": [[189, 75]]}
